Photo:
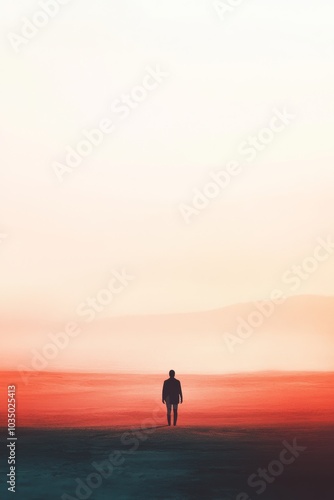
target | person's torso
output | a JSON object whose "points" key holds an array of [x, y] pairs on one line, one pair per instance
{"points": [[172, 387]]}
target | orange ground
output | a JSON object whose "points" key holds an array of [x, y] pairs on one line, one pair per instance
{"points": [[98, 400]]}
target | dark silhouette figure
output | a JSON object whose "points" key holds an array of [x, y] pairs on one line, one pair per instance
{"points": [[172, 395]]}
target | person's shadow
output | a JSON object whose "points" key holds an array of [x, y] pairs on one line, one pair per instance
{"points": [[151, 428]]}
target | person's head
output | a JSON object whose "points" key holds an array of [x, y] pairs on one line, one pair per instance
{"points": [[171, 373]]}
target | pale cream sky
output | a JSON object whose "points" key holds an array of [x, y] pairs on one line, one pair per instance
{"points": [[119, 208]]}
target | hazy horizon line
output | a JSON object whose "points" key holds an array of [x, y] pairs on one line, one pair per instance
{"points": [[163, 373]]}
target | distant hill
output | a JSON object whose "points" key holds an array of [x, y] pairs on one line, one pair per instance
{"points": [[300, 313], [298, 335]]}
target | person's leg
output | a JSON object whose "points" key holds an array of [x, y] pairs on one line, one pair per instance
{"points": [[169, 410], [175, 413]]}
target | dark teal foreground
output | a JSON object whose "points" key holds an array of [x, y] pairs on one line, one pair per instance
{"points": [[172, 464]]}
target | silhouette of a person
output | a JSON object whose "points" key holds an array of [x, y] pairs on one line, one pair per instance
{"points": [[172, 395]]}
